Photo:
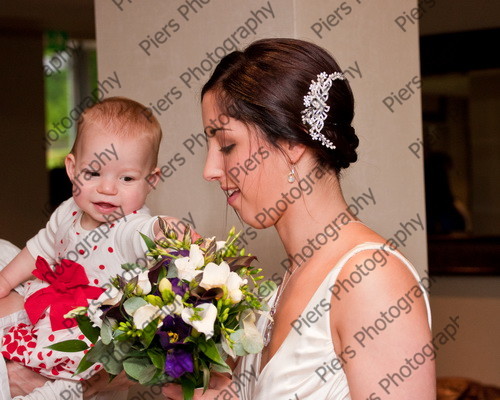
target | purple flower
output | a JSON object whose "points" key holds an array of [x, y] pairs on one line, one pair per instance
{"points": [[173, 332], [183, 253], [178, 362], [179, 287]]}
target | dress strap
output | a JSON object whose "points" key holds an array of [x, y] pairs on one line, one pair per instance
{"points": [[383, 247]]}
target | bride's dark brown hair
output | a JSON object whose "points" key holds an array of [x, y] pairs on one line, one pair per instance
{"points": [[264, 86]]}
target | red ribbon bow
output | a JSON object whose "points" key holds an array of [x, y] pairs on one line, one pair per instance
{"points": [[68, 289]]}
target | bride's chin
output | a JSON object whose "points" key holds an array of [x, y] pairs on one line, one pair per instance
{"points": [[253, 222]]}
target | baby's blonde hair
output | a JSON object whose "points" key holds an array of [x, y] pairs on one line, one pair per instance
{"points": [[123, 117]]}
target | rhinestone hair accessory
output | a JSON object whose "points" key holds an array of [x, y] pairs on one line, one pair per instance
{"points": [[316, 109]]}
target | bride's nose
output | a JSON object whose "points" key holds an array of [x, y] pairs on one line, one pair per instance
{"points": [[214, 167]]}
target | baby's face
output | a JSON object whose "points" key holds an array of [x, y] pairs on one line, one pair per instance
{"points": [[109, 175]]}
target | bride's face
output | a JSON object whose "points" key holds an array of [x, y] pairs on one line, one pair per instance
{"points": [[249, 170]]}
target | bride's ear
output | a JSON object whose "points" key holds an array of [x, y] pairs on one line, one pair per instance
{"points": [[294, 151]]}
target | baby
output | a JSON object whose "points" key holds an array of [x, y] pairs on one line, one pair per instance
{"points": [[112, 167]]}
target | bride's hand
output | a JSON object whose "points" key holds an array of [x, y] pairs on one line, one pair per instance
{"points": [[100, 383], [218, 383]]}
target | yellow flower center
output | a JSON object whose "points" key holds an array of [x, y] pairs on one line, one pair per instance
{"points": [[174, 337]]}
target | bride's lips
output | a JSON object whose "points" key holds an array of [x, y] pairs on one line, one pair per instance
{"points": [[232, 195], [105, 208]]}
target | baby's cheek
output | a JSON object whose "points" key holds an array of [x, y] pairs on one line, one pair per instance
{"points": [[77, 190]]}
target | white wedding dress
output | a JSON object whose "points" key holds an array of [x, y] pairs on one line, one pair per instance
{"points": [[291, 373]]}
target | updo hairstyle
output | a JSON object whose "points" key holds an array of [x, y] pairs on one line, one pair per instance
{"points": [[264, 86]]}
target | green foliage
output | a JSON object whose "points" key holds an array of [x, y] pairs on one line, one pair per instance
{"points": [[69, 346], [85, 325], [131, 305], [157, 357], [140, 369]]}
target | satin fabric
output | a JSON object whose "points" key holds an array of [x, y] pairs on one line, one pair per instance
{"points": [[306, 366]]}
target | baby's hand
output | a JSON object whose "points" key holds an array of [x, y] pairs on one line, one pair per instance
{"points": [[22, 380], [5, 286], [11, 303]]}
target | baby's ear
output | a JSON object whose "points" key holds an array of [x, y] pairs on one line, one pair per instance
{"points": [[70, 162], [153, 178]]}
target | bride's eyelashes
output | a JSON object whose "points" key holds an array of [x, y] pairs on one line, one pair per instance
{"points": [[227, 149]]}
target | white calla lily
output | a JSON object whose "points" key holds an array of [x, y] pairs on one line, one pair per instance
{"points": [[207, 316], [214, 275], [143, 284], [144, 315], [187, 266]]}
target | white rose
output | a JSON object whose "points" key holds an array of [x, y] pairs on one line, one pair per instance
{"points": [[143, 284], [144, 315], [110, 297], [233, 284], [218, 276], [215, 276], [205, 325], [186, 266]]}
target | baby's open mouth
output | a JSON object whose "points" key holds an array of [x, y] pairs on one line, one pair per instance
{"points": [[103, 206]]}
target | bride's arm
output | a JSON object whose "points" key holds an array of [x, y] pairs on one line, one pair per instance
{"points": [[380, 330]]}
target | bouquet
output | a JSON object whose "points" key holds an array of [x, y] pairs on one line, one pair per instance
{"points": [[179, 318]]}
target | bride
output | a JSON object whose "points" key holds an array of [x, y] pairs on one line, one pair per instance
{"points": [[349, 320]]}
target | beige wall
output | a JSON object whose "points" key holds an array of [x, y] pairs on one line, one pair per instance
{"points": [[156, 78], [364, 37]]}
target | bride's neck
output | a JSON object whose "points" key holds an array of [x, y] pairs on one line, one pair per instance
{"points": [[312, 215]]}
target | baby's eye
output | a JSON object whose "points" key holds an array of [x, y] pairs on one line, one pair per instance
{"points": [[89, 173], [227, 149], [127, 178]]}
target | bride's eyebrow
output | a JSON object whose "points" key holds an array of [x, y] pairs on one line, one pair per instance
{"points": [[211, 131]]}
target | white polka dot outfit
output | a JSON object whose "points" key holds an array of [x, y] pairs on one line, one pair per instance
{"points": [[101, 252]]}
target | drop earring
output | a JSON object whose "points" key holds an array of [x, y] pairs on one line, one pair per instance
{"points": [[291, 175]]}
